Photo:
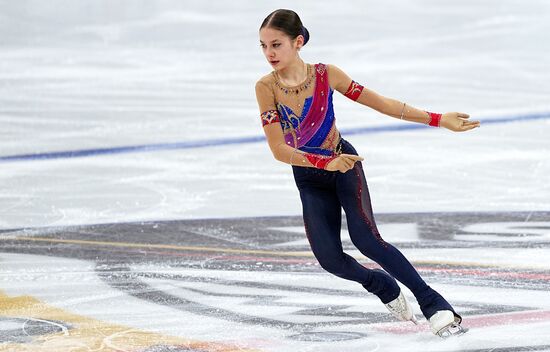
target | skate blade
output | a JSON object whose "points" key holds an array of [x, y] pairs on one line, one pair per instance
{"points": [[452, 329]]}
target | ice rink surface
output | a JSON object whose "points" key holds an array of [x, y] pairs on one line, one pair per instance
{"points": [[141, 209]]}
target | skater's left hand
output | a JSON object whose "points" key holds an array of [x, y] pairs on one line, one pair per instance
{"points": [[458, 122]]}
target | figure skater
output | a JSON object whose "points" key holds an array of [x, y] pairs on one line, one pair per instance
{"points": [[297, 115]]}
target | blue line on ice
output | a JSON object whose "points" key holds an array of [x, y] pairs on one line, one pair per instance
{"points": [[236, 140]]}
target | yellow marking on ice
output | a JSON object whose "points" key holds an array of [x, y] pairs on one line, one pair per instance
{"points": [[167, 246], [300, 254], [86, 334]]}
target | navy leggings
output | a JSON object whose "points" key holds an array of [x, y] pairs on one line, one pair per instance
{"points": [[323, 195]]}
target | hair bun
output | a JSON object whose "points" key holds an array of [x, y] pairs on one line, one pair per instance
{"points": [[305, 33]]}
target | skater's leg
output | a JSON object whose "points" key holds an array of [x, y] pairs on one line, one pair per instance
{"points": [[322, 220], [354, 196]]}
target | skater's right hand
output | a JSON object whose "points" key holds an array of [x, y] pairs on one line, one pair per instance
{"points": [[343, 162]]}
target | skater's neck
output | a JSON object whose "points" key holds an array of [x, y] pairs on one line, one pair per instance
{"points": [[295, 73]]}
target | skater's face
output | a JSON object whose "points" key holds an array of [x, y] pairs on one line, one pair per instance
{"points": [[279, 49]]}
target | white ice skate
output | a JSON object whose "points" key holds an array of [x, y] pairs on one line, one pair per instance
{"points": [[445, 324], [401, 309]]}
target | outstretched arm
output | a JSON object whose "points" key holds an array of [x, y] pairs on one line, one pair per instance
{"points": [[340, 81]]}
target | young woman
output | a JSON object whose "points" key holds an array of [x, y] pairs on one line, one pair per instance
{"points": [[297, 115]]}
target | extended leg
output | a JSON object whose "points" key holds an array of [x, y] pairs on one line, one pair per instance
{"points": [[322, 220], [354, 196]]}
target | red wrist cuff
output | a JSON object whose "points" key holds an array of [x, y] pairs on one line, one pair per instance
{"points": [[318, 161], [435, 119]]}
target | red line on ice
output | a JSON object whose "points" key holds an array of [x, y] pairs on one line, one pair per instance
{"points": [[516, 318], [485, 272]]}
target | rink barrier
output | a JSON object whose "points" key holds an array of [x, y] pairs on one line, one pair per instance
{"points": [[238, 140]]}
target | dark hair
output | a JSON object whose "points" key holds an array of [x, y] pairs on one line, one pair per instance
{"points": [[288, 22]]}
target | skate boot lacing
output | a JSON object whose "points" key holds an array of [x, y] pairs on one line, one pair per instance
{"points": [[401, 309]]}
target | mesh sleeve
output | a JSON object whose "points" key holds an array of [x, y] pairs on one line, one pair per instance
{"points": [[266, 104]]}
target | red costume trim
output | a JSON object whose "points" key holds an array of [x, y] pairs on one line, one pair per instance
{"points": [[354, 90], [319, 161], [314, 118], [374, 230], [270, 116]]}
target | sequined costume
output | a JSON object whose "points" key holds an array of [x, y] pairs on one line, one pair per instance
{"points": [[306, 116], [308, 123]]}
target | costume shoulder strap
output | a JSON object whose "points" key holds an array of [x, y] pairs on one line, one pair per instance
{"points": [[321, 69]]}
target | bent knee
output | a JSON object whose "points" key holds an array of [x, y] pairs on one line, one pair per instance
{"points": [[333, 264]]}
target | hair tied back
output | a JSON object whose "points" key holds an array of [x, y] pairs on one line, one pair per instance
{"points": [[305, 33], [288, 22]]}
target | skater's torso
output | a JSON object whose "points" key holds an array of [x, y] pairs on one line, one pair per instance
{"points": [[305, 111]]}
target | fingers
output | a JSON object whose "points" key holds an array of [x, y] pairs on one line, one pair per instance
{"points": [[471, 127], [348, 161], [353, 157], [463, 123], [468, 125]]}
